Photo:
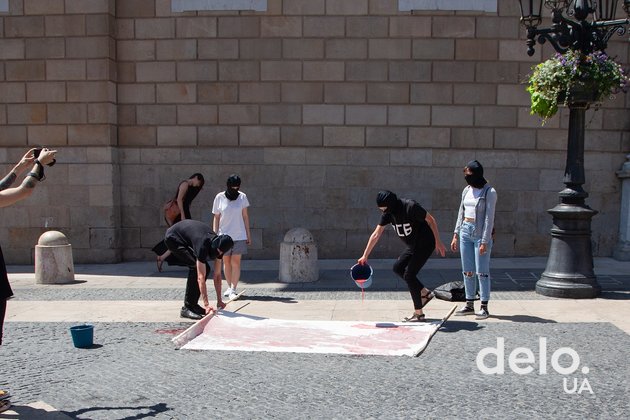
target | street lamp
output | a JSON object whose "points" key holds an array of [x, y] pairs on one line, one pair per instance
{"points": [[569, 272]]}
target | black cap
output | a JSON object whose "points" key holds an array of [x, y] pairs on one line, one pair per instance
{"points": [[223, 243]]}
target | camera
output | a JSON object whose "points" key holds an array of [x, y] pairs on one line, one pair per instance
{"points": [[36, 153]]}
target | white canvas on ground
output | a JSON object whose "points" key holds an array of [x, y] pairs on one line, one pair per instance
{"points": [[238, 332]]}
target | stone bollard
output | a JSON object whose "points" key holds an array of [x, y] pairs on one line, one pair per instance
{"points": [[298, 257], [53, 259]]}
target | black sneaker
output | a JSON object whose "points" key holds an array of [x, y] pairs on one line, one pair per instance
{"points": [[466, 310], [187, 313], [199, 310]]}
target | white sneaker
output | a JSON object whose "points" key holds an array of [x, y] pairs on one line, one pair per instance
{"points": [[228, 292], [482, 314], [233, 295]]}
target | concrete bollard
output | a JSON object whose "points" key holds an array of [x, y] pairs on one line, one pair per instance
{"points": [[298, 257], [53, 259]]}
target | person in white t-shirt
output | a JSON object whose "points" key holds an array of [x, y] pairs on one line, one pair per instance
{"points": [[231, 218]]}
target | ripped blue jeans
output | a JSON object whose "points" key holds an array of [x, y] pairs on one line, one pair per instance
{"points": [[472, 262]]}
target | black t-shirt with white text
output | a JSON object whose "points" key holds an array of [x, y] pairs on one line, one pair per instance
{"points": [[409, 223]]}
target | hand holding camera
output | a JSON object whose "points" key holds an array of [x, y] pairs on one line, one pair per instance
{"points": [[45, 156], [42, 156]]}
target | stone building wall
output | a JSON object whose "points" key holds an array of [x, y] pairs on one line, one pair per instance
{"points": [[317, 104]]}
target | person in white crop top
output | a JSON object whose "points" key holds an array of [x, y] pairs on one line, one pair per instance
{"points": [[474, 235]]}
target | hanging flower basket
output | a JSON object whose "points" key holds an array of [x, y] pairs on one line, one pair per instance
{"points": [[579, 93], [574, 77]]}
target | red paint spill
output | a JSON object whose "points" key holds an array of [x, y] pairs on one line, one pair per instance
{"points": [[172, 332], [361, 283]]}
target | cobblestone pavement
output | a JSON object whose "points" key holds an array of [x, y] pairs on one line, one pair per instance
{"points": [[134, 371]]}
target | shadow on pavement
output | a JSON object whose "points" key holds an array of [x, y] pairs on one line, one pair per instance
{"points": [[524, 318], [151, 411], [75, 281], [31, 413], [92, 347], [269, 299], [455, 326]]}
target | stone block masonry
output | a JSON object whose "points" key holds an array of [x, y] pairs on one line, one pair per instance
{"points": [[316, 104]]}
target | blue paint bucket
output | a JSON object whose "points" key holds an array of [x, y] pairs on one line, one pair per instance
{"points": [[362, 275], [82, 336]]}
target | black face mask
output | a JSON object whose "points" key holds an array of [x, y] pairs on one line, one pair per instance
{"points": [[389, 200], [231, 193], [475, 180]]}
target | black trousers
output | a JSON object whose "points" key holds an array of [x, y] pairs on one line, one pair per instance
{"points": [[186, 256], [408, 266], [3, 310]]}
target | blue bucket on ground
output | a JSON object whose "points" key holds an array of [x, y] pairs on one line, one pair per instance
{"points": [[362, 275], [82, 336]]}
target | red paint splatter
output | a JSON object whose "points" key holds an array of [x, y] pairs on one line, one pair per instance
{"points": [[172, 332]]}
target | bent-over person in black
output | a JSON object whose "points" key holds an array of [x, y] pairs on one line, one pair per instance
{"points": [[419, 231], [195, 244]]}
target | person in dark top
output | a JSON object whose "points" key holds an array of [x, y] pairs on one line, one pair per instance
{"points": [[419, 231], [35, 159], [186, 193], [195, 244]]}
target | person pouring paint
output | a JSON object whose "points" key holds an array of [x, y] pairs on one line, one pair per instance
{"points": [[419, 231]]}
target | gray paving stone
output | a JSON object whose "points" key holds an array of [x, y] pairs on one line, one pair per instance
{"points": [[134, 372]]}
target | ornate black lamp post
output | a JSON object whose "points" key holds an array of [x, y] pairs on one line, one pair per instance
{"points": [[569, 272]]}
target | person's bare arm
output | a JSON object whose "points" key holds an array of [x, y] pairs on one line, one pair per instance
{"points": [[246, 221], [17, 170], [215, 223], [374, 237], [439, 246], [217, 283], [10, 196], [201, 279]]}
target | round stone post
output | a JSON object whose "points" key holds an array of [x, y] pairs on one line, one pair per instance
{"points": [[53, 259], [622, 250], [298, 257]]}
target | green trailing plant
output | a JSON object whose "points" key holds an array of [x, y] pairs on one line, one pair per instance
{"points": [[552, 82]]}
